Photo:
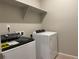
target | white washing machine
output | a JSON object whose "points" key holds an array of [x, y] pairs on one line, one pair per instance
{"points": [[46, 45]]}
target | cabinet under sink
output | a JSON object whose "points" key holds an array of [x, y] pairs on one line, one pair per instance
{"points": [[26, 51]]}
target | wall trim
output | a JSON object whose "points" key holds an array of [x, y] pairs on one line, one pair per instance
{"points": [[75, 57]]}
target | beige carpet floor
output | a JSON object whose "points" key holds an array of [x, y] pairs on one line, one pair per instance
{"points": [[63, 57]]}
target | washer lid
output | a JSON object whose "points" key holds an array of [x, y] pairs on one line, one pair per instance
{"points": [[47, 33]]}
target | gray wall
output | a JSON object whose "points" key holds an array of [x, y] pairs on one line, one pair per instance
{"points": [[14, 16], [62, 17]]}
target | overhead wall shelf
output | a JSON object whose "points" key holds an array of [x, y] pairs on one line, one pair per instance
{"points": [[26, 7]]}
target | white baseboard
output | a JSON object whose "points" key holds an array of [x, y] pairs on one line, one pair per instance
{"points": [[74, 57]]}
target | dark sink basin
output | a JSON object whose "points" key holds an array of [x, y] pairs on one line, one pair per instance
{"points": [[24, 40]]}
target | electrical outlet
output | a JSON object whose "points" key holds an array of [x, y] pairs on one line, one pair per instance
{"points": [[8, 26]]}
